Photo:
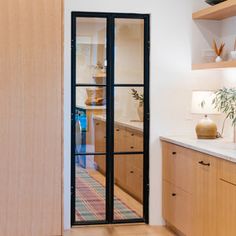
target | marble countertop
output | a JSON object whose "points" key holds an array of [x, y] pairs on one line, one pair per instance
{"points": [[135, 124], [221, 148]]}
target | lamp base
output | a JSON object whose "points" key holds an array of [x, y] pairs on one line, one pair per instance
{"points": [[206, 129]]}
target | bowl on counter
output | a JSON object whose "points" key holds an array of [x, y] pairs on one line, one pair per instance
{"points": [[214, 2]]}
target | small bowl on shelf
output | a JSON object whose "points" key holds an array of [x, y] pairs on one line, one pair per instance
{"points": [[233, 55], [214, 2]]}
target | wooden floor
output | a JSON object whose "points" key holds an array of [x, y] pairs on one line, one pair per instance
{"points": [[119, 230]]}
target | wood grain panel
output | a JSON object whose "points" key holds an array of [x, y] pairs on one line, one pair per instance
{"points": [[204, 195], [178, 166], [218, 12], [227, 209], [227, 171], [177, 207], [30, 117]]}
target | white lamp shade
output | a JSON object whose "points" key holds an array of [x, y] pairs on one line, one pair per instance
{"points": [[202, 102]]}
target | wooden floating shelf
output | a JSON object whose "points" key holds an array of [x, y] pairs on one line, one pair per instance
{"points": [[214, 65], [218, 12]]}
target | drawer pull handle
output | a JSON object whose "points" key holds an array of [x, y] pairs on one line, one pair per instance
{"points": [[203, 163], [132, 134], [173, 194], [117, 130], [132, 147], [97, 123], [173, 153], [131, 172]]}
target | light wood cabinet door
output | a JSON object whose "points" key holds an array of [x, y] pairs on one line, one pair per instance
{"points": [[134, 180], [226, 207], [178, 166], [177, 207], [204, 195]]}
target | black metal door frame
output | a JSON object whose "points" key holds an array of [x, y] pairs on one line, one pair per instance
{"points": [[110, 17]]}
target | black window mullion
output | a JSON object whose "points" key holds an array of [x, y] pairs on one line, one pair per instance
{"points": [[146, 119], [73, 108], [110, 121]]}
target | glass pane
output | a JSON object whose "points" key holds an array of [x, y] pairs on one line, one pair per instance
{"points": [[128, 130], [90, 119], [128, 189], [90, 185], [91, 50], [129, 51]]}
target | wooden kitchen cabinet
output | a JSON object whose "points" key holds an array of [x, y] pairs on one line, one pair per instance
{"points": [[178, 165], [204, 205], [189, 190], [177, 207], [128, 169], [226, 199]]}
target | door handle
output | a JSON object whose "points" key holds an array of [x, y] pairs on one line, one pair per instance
{"points": [[203, 163]]}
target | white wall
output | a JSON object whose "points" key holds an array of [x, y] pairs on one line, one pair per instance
{"points": [[171, 79]]}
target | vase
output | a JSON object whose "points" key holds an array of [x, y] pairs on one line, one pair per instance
{"points": [[140, 111], [235, 134], [218, 59]]}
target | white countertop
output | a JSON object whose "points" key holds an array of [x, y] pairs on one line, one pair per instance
{"points": [[135, 124], [222, 148]]}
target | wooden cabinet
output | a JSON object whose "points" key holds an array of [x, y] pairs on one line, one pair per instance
{"points": [[178, 165], [128, 169], [189, 190], [177, 207], [204, 204], [226, 195]]}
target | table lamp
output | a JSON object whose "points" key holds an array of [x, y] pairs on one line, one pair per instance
{"points": [[202, 104]]}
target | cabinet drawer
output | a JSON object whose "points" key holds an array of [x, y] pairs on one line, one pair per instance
{"points": [[100, 136], [134, 141], [135, 182], [178, 166], [119, 138], [227, 171], [177, 207]]}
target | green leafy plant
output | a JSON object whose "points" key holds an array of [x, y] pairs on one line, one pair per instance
{"points": [[137, 96], [225, 102]]}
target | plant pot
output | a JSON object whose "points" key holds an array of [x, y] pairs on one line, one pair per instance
{"points": [[218, 59], [140, 112]]}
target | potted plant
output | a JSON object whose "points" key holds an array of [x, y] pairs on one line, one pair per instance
{"points": [[218, 51], [140, 98], [225, 102]]}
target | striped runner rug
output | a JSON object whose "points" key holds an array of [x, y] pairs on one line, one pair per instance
{"points": [[90, 200]]}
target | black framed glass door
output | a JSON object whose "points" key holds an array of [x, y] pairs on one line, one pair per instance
{"points": [[110, 118]]}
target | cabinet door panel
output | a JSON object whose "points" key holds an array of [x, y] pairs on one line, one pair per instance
{"points": [[177, 208], [178, 165], [226, 209], [204, 195], [227, 171]]}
